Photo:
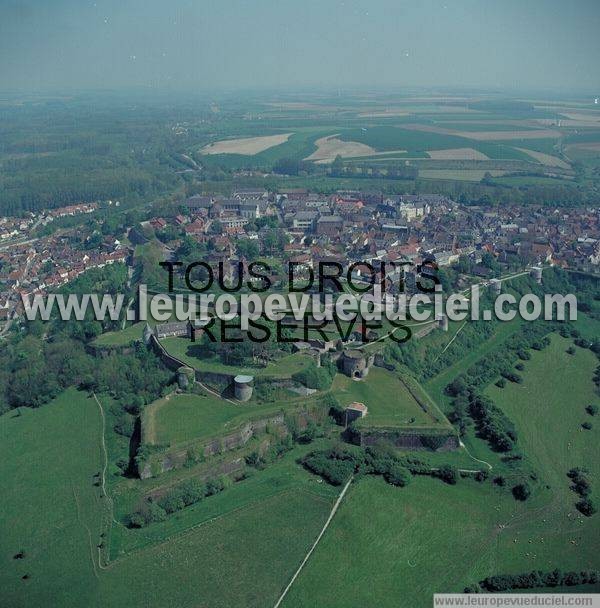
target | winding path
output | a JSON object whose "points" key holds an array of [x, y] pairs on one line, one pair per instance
{"points": [[487, 464]]}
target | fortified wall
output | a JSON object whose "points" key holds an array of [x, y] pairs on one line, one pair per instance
{"points": [[410, 439], [176, 457]]}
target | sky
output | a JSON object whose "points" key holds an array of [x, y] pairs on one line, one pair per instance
{"points": [[206, 45]]}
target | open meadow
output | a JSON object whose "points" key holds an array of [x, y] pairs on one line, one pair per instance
{"points": [[389, 401], [412, 547], [238, 548]]}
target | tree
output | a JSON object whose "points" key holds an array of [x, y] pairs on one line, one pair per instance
{"points": [[521, 491], [448, 473], [247, 248], [397, 475], [586, 506]]}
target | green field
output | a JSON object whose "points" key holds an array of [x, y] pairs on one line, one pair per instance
{"points": [[186, 417], [467, 175], [389, 401], [299, 145], [430, 537], [53, 512], [396, 547], [416, 143], [435, 387], [50, 508], [548, 412], [122, 337], [281, 368]]}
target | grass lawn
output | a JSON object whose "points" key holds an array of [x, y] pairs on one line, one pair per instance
{"points": [[286, 366], [388, 400], [394, 547], [181, 418], [122, 337], [243, 554], [50, 508], [548, 410]]}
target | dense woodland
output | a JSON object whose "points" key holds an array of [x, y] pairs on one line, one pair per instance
{"points": [[47, 357]]}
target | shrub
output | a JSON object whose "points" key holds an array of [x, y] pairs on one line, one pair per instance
{"points": [[587, 426], [397, 475], [521, 491], [591, 409], [254, 459], [586, 506], [155, 513], [314, 377], [538, 578], [172, 502], [192, 491], [214, 486], [336, 472], [136, 520], [448, 474]]}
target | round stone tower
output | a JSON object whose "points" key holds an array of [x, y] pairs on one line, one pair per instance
{"points": [[355, 364], [496, 286], [242, 386], [536, 273], [185, 376]]}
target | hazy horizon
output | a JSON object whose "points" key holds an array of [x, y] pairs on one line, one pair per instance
{"points": [[228, 45]]}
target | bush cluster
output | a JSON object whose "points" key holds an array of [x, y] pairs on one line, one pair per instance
{"points": [[177, 499], [338, 463], [581, 485], [537, 579]]}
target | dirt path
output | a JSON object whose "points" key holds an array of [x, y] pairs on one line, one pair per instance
{"points": [[487, 464], [314, 546]]}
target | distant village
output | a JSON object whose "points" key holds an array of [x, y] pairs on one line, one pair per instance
{"points": [[344, 227]]}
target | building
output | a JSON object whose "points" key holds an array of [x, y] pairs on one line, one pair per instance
{"points": [[304, 220], [196, 203], [330, 225], [355, 411], [356, 364]]}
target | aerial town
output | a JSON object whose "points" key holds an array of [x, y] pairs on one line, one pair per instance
{"points": [[345, 226]]}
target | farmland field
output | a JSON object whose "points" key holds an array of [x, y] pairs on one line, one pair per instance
{"points": [[546, 159], [417, 143], [246, 146], [469, 175], [457, 154], [329, 147]]}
